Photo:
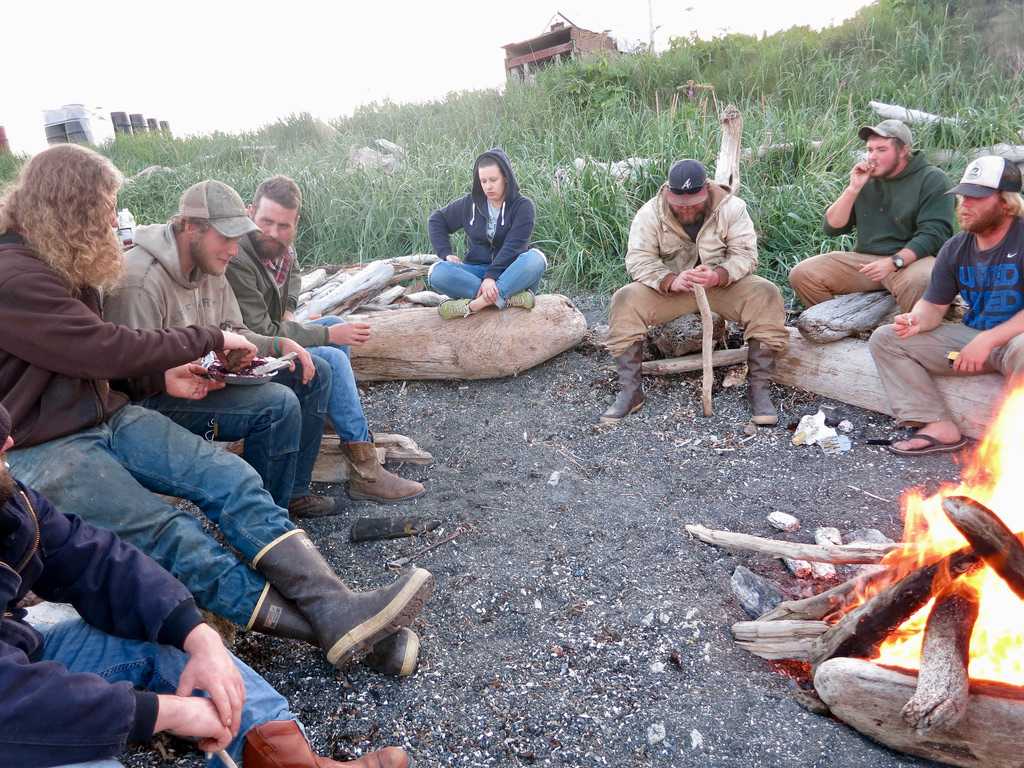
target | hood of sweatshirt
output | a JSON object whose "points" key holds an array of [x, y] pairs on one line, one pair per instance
{"points": [[916, 164], [497, 155], [158, 241]]}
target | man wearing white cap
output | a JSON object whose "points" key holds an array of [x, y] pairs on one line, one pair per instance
{"points": [[985, 265]]}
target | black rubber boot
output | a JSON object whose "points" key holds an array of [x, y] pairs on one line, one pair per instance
{"points": [[631, 391], [396, 655], [278, 617], [760, 367], [347, 624]]}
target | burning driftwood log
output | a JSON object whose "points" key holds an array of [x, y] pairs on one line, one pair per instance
{"points": [[940, 700], [994, 543]]}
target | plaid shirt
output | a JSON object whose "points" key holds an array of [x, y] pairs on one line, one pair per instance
{"points": [[280, 267]]}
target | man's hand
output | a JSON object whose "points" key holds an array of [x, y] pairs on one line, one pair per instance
{"points": [[974, 356], [211, 669], [906, 325], [859, 175], [488, 290], [878, 270], [681, 284], [704, 276], [192, 717], [189, 382], [305, 359], [453, 258], [288, 315], [348, 334], [234, 340]]}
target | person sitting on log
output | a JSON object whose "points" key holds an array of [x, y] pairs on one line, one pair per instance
{"points": [[79, 690], [94, 454], [694, 233], [896, 201], [265, 281], [174, 277], [499, 268], [984, 264]]}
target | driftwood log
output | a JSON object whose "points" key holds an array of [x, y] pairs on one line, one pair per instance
{"points": [[694, 362], [833, 601], [417, 344], [940, 700], [344, 296], [896, 112], [849, 315], [790, 639], [870, 698], [989, 537], [819, 553], [845, 371], [683, 335], [706, 347]]}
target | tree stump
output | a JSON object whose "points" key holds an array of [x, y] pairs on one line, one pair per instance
{"points": [[682, 336]]}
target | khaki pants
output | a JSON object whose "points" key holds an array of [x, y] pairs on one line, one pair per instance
{"points": [[824, 277], [753, 302], [906, 367]]}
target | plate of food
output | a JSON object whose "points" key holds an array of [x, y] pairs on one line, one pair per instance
{"points": [[259, 371]]}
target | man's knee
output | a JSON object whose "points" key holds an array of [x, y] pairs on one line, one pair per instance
{"points": [[1013, 357], [883, 340]]}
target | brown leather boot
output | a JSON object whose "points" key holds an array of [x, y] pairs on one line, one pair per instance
{"points": [[631, 391], [281, 744], [347, 624], [760, 367], [374, 483], [312, 505]]}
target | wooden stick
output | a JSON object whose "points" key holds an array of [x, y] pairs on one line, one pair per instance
{"points": [[831, 601], [778, 639], [689, 363], [819, 553], [942, 683], [988, 535], [706, 343], [402, 561]]}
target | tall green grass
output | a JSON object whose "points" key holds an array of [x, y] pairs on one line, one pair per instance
{"points": [[795, 86]]}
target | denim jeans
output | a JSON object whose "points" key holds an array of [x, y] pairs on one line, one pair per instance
{"points": [[82, 648], [281, 422], [462, 281], [345, 409], [106, 474]]}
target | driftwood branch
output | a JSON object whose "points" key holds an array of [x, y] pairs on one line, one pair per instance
{"points": [[706, 347], [358, 288], [819, 553], [896, 112], [689, 363], [940, 700], [833, 601], [778, 639], [988, 535]]}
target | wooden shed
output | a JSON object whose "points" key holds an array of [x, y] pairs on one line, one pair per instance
{"points": [[562, 41]]}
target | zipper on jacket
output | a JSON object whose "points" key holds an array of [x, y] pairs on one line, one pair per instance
{"points": [[38, 534]]}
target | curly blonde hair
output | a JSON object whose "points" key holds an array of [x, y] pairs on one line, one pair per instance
{"points": [[61, 206]]}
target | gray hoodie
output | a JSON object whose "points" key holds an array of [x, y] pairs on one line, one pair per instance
{"points": [[154, 293]]}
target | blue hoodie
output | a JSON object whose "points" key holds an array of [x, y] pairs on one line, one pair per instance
{"points": [[469, 213]]}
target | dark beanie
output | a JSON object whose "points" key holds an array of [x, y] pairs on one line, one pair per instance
{"points": [[5, 426]]}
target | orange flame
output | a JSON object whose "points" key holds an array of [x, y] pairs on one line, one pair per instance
{"points": [[990, 477]]}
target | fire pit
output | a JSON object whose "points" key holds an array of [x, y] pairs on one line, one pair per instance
{"points": [[925, 655]]}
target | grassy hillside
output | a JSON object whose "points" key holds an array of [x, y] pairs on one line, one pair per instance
{"points": [[795, 86]]}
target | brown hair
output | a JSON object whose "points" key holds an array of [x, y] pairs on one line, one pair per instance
{"points": [[282, 190], [60, 205]]}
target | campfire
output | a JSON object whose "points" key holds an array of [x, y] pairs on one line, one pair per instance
{"points": [[925, 654]]}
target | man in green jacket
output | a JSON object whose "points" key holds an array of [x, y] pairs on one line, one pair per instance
{"points": [[897, 203], [266, 284]]}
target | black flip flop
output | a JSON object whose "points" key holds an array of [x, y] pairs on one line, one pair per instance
{"points": [[933, 446]]}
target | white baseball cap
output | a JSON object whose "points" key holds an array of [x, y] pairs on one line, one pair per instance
{"points": [[988, 175]]}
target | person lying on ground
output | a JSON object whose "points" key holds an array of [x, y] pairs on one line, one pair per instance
{"points": [[896, 201], [133, 661], [93, 454], [984, 264], [694, 233], [265, 280], [500, 268], [174, 277]]}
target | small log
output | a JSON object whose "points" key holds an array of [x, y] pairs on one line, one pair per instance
{"points": [[383, 301], [425, 298], [778, 639], [706, 347], [869, 697], [368, 282], [940, 700], [819, 553], [896, 112], [694, 362], [417, 344], [833, 601], [860, 631], [312, 280], [845, 371], [773, 149], [682, 336], [848, 315], [988, 535]]}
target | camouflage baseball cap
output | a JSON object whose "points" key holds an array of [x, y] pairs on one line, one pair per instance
{"points": [[887, 129], [219, 204]]}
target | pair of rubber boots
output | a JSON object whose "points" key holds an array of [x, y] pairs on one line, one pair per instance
{"points": [[305, 600], [281, 744], [760, 366]]}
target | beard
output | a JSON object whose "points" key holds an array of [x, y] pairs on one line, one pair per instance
{"points": [[201, 258], [7, 485], [268, 248], [979, 222]]}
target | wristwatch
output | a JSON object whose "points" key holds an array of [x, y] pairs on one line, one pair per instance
{"points": [[898, 261]]}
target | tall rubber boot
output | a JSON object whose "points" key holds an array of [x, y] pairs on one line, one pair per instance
{"points": [[760, 367], [631, 391]]}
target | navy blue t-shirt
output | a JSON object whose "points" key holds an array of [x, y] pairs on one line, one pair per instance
{"points": [[991, 281]]}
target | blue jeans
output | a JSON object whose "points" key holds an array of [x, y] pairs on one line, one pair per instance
{"points": [[462, 281], [105, 475], [82, 648], [345, 409], [281, 423]]}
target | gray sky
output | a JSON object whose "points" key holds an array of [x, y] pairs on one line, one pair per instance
{"points": [[210, 65]]}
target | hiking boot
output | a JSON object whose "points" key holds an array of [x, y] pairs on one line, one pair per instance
{"points": [[281, 744], [347, 624], [396, 655], [452, 309], [760, 367], [278, 617], [312, 505], [631, 391], [374, 483], [522, 300]]}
